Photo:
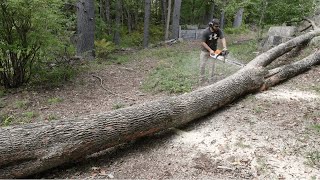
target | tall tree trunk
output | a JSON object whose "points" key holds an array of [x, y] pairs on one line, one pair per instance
{"points": [[238, 18], [107, 15], [101, 9], [176, 19], [222, 16], [168, 21], [193, 14], [85, 28], [147, 11], [163, 13], [116, 38], [129, 18], [135, 18]]}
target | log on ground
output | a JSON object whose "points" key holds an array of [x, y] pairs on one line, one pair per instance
{"points": [[36, 147]]}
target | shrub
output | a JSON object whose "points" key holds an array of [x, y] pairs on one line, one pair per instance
{"points": [[31, 30], [103, 48]]}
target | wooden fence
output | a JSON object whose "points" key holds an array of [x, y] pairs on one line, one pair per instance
{"points": [[190, 33]]}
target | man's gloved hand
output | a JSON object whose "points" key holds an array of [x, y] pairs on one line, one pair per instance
{"points": [[224, 52]]}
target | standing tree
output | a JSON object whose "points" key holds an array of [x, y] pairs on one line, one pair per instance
{"points": [[238, 18], [163, 12], [168, 21], [176, 19], [108, 14], [85, 29], [147, 11], [223, 12], [116, 38]]}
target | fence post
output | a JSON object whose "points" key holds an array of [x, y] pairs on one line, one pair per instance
{"points": [[196, 30]]}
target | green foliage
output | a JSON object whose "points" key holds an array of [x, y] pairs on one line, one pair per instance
{"points": [[6, 120], [313, 159], [317, 127], [156, 34], [133, 39], [192, 11], [100, 29], [104, 48], [32, 30], [30, 114], [278, 12], [2, 93], [55, 100], [287, 10], [239, 30], [2, 104], [53, 76], [176, 74], [22, 104]]}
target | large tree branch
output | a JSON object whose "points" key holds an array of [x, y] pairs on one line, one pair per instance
{"points": [[280, 74], [272, 54]]}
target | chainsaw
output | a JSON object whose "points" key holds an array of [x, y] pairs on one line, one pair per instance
{"points": [[222, 56]]}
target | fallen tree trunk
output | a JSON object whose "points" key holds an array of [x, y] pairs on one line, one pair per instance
{"points": [[33, 148]]}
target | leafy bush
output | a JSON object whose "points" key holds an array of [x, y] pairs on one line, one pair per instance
{"points": [[31, 30], [239, 30], [133, 39], [53, 76], [2, 93], [104, 48], [6, 120]]}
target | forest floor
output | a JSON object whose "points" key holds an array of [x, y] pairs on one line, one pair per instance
{"points": [[273, 134]]}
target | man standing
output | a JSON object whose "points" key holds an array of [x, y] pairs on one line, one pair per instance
{"points": [[209, 42]]}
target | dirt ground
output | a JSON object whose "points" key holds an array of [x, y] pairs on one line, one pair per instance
{"points": [[268, 135]]}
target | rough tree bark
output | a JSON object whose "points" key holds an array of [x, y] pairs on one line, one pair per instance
{"points": [[238, 18], [147, 16], [166, 36], [107, 15], [33, 148], [85, 29], [164, 13], [176, 19], [223, 12], [116, 38]]}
